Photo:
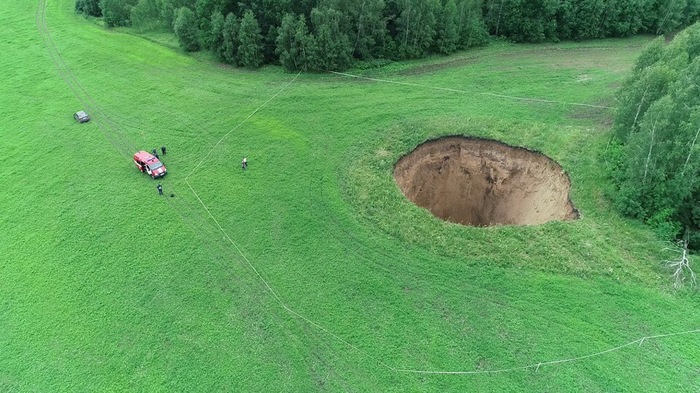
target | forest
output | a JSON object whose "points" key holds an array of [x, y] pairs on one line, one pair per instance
{"points": [[653, 155], [335, 34]]}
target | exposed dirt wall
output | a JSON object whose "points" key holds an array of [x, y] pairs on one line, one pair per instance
{"points": [[482, 182]]}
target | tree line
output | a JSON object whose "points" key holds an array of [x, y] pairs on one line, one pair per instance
{"points": [[654, 156], [552, 20], [331, 34]]}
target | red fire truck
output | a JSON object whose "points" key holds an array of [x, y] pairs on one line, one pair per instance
{"points": [[148, 163]]}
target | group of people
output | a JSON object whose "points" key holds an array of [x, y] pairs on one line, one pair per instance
{"points": [[155, 152]]}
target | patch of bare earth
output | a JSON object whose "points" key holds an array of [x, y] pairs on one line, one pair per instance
{"points": [[481, 182]]}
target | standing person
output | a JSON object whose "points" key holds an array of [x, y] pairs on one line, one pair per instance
{"points": [[162, 149], [244, 164], [160, 189], [155, 153]]}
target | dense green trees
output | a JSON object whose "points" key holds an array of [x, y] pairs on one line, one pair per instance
{"points": [[598, 18], [214, 38], [471, 28], [331, 45], [330, 34], [365, 27], [146, 15], [447, 36], [88, 7], [117, 12], [306, 34], [415, 27], [295, 47], [522, 20], [230, 42], [656, 150], [186, 29], [250, 48]]}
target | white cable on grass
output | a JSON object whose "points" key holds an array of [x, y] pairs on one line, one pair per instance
{"points": [[272, 291], [241, 123], [469, 92], [536, 366]]}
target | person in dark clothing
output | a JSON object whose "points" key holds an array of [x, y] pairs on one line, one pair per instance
{"points": [[162, 149], [155, 153], [244, 163], [160, 189]]}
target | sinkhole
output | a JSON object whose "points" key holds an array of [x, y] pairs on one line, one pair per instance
{"points": [[481, 182]]}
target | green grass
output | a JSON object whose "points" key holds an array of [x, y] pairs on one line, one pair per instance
{"points": [[104, 286]]}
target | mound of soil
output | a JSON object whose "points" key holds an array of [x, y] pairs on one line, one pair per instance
{"points": [[483, 182]]}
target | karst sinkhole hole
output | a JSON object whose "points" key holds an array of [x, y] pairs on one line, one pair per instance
{"points": [[481, 182]]}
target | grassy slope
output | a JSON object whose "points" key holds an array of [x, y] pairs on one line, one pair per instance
{"points": [[107, 287]]}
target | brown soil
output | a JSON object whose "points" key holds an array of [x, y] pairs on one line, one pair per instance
{"points": [[482, 182]]}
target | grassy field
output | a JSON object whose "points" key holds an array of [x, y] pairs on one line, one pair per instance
{"points": [[310, 271]]}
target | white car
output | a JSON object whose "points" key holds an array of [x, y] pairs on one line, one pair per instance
{"points": [[81, 117]]}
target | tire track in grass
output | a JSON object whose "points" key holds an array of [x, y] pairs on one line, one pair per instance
{"points": [[117, 140]]}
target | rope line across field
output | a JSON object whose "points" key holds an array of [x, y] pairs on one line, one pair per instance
{"points": [[469, 92], [240, 124]]}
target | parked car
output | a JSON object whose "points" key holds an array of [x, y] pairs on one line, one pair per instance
{"points": [[148, 163], [81, 117]]}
